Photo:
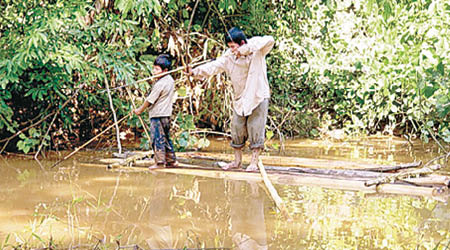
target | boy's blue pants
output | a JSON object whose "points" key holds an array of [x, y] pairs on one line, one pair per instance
{"points": [[161, 143]]}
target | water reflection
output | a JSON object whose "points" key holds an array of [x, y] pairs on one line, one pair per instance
{"points": [[160, 234], [248, 228]]}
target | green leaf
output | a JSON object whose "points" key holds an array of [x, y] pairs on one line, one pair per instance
{"points": [[269, 134], [182, 91], [440, 68], [429, 91]]}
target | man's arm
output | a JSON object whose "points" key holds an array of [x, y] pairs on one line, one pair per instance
{"points": [[209, 69], [258, 43]]}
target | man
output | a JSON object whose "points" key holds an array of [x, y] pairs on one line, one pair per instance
{"points": [[245, 64]]}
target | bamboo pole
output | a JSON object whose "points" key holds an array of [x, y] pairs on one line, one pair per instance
{"points": [[144, 125], [162, 74], [91, 140], [273, 192]]}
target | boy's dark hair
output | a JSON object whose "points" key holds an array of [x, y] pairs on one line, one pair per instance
{"points": [[163, 61], [235, 35]]}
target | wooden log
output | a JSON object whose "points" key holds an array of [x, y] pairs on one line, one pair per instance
{"points": [[287, 161], [396, 167], [295, 180], [432, 179]]}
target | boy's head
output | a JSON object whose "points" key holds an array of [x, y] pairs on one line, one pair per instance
{"points": [[235, 37], [162, 64]]}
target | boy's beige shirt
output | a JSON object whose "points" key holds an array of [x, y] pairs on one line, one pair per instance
{"points": [[161, 97], [248, 73]]}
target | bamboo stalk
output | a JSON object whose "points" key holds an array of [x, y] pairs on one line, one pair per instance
{"points": [[273, 192], [85, 144]]}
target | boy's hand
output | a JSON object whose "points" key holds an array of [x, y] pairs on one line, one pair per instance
{"points": [[137, 111]]}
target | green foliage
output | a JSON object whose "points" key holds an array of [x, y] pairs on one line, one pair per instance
{"points": [[376, 67], [365, 67]]}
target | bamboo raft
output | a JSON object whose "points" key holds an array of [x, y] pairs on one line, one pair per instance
{"points": [[352, 176]]}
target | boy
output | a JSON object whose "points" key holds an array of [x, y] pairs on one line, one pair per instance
{"points": [[160, 102], [245, 64]]}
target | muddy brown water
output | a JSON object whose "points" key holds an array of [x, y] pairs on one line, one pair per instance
{"points": [[88, 207]]}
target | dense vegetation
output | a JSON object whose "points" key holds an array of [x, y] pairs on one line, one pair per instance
{"points": [[364, 67]]}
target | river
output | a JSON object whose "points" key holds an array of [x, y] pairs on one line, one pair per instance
{"points": [[90, 207]]}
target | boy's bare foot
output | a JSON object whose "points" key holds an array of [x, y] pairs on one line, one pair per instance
{"points": [[252, 168], [172, 164], [231, 165]]}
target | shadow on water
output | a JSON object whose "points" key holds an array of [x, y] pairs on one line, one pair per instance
{"points": [[91, 207]]}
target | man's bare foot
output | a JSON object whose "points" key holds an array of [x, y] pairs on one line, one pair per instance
{"points": [[254, 161], [231, 165], [252, 168]]}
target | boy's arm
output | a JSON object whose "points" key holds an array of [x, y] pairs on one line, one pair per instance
{"points": [[141, 109], [209, 69], [259, 43], [150, 100]]}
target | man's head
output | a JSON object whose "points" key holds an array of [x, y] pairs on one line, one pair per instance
{"points": [[235, 37], [162, 64]]}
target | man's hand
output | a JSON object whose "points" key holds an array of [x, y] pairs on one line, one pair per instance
{"points": [[236, 52]]}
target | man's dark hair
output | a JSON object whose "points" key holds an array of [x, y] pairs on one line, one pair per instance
{"points": [[163, 61], [235, 35]]}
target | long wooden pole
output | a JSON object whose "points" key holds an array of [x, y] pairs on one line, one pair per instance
{"points": [[111, 105], [162, 74], [85, 144], [140, 118], [273, 192]]}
